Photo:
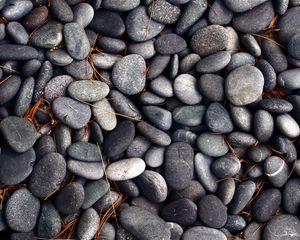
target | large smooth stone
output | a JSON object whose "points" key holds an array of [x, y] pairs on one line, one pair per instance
{"points": [[83, 14], [242, 5], [9, 88], [15, 9], [84, 151], [87, 170], [17, 52], [289, 79], [57, 87], [105, 115], [170, 43], [88, 224], [203, 233], [213, 145]]}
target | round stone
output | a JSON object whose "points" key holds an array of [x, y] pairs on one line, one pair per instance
{"points": [[214, 62], [116, 5], [87, 170], [213, 145], [128, 74], [219, 13], [206, 233], [189, 115], [160, 117], [24, 97], [287, 125], [164, 12], [291, 196], [93, 191], [80, 69], [36, 17], [241, 117], [88, 224], [105, 115], [244, 85], [16, 9], [84, 151], [17, 32], [169, 43], [211, 86], [276, 105], [276, 170], [263, 125], [293, 46], [57, 87], [83, 14], [289, 79], [162, 86], [9, 88], [226, 166]]}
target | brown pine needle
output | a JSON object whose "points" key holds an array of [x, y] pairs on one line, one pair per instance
{"points": [[267, 38]]}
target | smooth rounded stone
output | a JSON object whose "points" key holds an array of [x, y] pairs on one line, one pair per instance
{"points": [[160, 117], [226, 190], [128, 74], [44, 145], [71, 112], [88, 170], [233, 43], [266, 204], [291, 196], [193, 192], [104, 114], [244, 85], [111, 45], [162, 86], [79, 69], [88, 91], [49, 223], [179, 159], [289, 79], [185, 88], [146, 204], [125, 169], [143, 224], [212, 145], [226, 166], [149, 98], [138, 147], [276, 105], [253, 231], [202, 168], [176, 230], [70, 198], [62, 136], [2, 31], [17, 52], [128, 188], [193, 11], [285, 146], [118, 140], [83, 14], [188, 62], [283, 226], [276, 170], [108, 231], [15, 167], [104, 60], [211, 86], [189, 115], [254, 171], [154, 134], [164, 12], [235, 223], [19, 133], [17, 32], [116, 5], [269, 74], [243, 194], [88, 224], [182, 211], [258, 153], [217, 119], [169, 43], [201, 23], [203, 233], [214, 62], [242, 6], [241, 139], [293, 46], [158, 65], [145, 49], [154, 157], [212, 212], [47, 175], [140, 27], [240, 59], [84, 151], [24, 97], [22, 236], [241, 117], [263, 125], [57, 87], [81, 135], [124, 105], [16, 9], [48, 36], [219, 13], [250, 44], [209, 40], [123, 234], [287, 125], [61, 10], [153, 186], [35, 18], [22, 210], [274, 55], [59, 57], [178, 2], [31, 67], [295, 101], [93, 191], [77, 43]]}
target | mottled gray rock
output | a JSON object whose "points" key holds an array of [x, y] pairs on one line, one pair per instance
{"points": [[162, 86], [31, 67], [258, 153], [17, 32], [242, 6], [116, 5], [269, 74], [214, 62], [169, 43], [188, 62], [84, 151], [104, 114], [226, 166], [111, 45], [93, 191], [226, 190], [83, 14], [154, 157], [241, 139], [17, 52], [88, 224], [211, 86], [57, 87], [138, 147], [213, 145], [158, 65], [87, 170], [189, 115], [24, 97], [263, 125], [145, 49], [79, 69], [291, 196], [240, 59], [241, 117], [250, 44], [9, 88], [160, 117], [105, 61], [275, 105], [219, 13], [16, 9], [164, 12], [204, 233], [289, 79], [276, 170], [61, 10]]}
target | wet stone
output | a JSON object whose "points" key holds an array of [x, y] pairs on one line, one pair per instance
{"points": [[57, 87]]}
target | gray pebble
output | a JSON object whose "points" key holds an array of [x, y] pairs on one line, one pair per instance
{"points": [[241, 117], [189, 115], [105, 114], [88, 224], [211, 86], [17, 52], [263, 125], [269, 74], [111, 45], [276, 170], [226, 166], [287, 125], [154, 157], [31, 67], [188, 62], [162, 86], [214, 62], [240, 139], [145, 49], [253, 231], [182, 135], [240, 59], [93, 191], [45, 144], [84, 151], [83, 14], [169, 43], [105, 203], [250, 44], [200, 232], [61, 10], [219, 14], [16, 9], [289, 79], [57, 87], [87, 170], [258, 153], [128, 188], [193, 192], [212, 144], [108, 232], [59, 57], [62, 135], [138, 147], [116, 5], [79, 69], [164, 12], [158, 65], [238, 6], [226, 190], [24, 97], [176, 230], [291, 196], [149, 98], [276, 105], [105, 60], [17, 32], [160, 117]]}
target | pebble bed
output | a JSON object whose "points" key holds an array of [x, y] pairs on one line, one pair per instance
{"points": [[149, 119]]}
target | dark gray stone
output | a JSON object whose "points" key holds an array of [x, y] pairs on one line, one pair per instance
{"points": [[128, 188], [164, 12], [189, 115], [263, 125], [269, 74], [276, 170], [154, 157], [84, 151], [211, 86], [253, 231], [287, 125], [138, 147], [188, 62], [276, 105], [105, 115], [213, 145], [31, 67], [226, 190], [83, 14], [169, 43], [17, 32], [241, 117], [87, 170], [240, 139], [226, 166], [160, 117], [242, 6], [88, 224], [59, 57], [206, 233], [61, 10], [17, 52], [116, 5], [289, 79], [93, 191], [9, 88], [291, 196], [214, 62], [16, 9], [258, 153], [162, 86], [219, 13], [44, 145], [145, 49], [57, 87], [111, 45], [35, 18], [158, 65], [240, 59], [80, 69], [62, 135]]}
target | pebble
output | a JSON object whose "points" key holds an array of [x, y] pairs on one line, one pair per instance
{"points": [[57, 87], [169, 43], [235, 223], [263, 125], [182, 135], [104, 114], [145, 49], [128, 74], [214, 62], [17, 52], [111, 45], [79, 69], [240, 59], [204, 232], [47, 175], [212, 145], [193, 192], [164, 12], [253, 231], [226, 190], [289, 79], [154, 157], [238, 6], [240, 139], [291, 196], [17, 32], [189, 115], [211, 86], [274, 105], [245, 90], [22, 211], [241, 117], [83, 14], [9, 88], [105, 203], [88, 224], [138, 147], [84, 151], [149, 98], [16, 9], [24, 97], [93, 191], [269, 74], [188, 62], [276, 170], [258, 153], [162, 86], [209, 40], [104, 61], [115, 5], [219, 14], [179, 162], [251, 45], [15, 167], [87, 170], [125, 169], [226, 166], [108, 231], [35, 18], [158, 65], [128, 188], [61, 10], [176, 230], [284, 145], [160, 117], [287, 125], [31, 67]]}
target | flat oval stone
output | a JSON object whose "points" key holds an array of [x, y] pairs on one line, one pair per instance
{"points": [[282, 227], [84, 151], [164, 12], [244, 85], [263, 125], [72, 113], [47, 175], [145, 49], [19, 133], [9, 88], [88, 91], [205, 233], [22, 211], [241, 139], [269, 74], [158, 65], [212, 145], [139, 27], [57, 87], [189, 115], [240, 59], [128, 74], [160, 117], [162, 86], [212, 212], [111, 45], [105, 61], [16, 9], [182, 211], [242, 6], [275, 105], [258, 153], [169, 43], [15, 167], [286, 146], [61, 10], [48, 36], [153, 186], [87, 170], [80, 69], [255, 19], [219, 13], [24, 97], [251, 45], [291, 196], [105, 202], [235, 223], [287, 125], [211, 86], [17, 32], [289, 79], [226, 166], [209, 40], [17, 52], [35, 18], [118, 140], [154, 157], [214, 62], [226, 190], [93, 191], [185, 88], [83, 14], [31, 67], [149, 98], [293, 46], [70, 198], [105, 114], [179, 162], [116, 5], [276, 170], [88, 224], [125, 169], [143, 224], [241, 117], [128, 188], [253, 231]]}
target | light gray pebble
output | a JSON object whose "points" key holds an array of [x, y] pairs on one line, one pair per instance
{"points": [[212, 144]]}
